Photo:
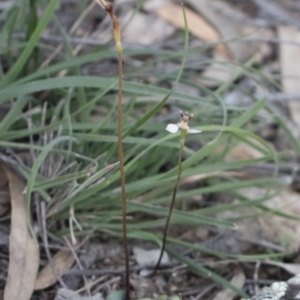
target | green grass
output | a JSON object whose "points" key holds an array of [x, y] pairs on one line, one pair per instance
{"points": [[84, 153]]}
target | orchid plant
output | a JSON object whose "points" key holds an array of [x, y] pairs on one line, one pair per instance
{"points": [[173, 128]]}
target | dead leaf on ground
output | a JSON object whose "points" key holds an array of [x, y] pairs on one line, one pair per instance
{"points": [[238, 280], [62, 261], [23, 249], [196, 24]]}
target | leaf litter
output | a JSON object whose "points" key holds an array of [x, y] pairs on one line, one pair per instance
{"points": [[62, 261], [23, 248]]}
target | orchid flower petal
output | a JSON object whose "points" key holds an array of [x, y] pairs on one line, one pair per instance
{"points": [[173, 128], [190, 130]]}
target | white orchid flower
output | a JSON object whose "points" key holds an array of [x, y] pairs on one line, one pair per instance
{"points": [[173, 128]]}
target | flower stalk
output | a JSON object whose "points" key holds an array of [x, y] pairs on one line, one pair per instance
{"points": [[118, 44]]}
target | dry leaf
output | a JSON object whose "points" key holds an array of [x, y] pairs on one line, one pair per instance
{"points": [[238, 280], [196, 24], [23, 249], [62, 261], [289, 58]]}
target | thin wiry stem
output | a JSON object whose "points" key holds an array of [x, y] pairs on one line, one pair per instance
{"points": [[182, 141], [117, 36], [122, 173]]}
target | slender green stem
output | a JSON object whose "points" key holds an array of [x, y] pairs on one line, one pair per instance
{"points": [[182, 141]]}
